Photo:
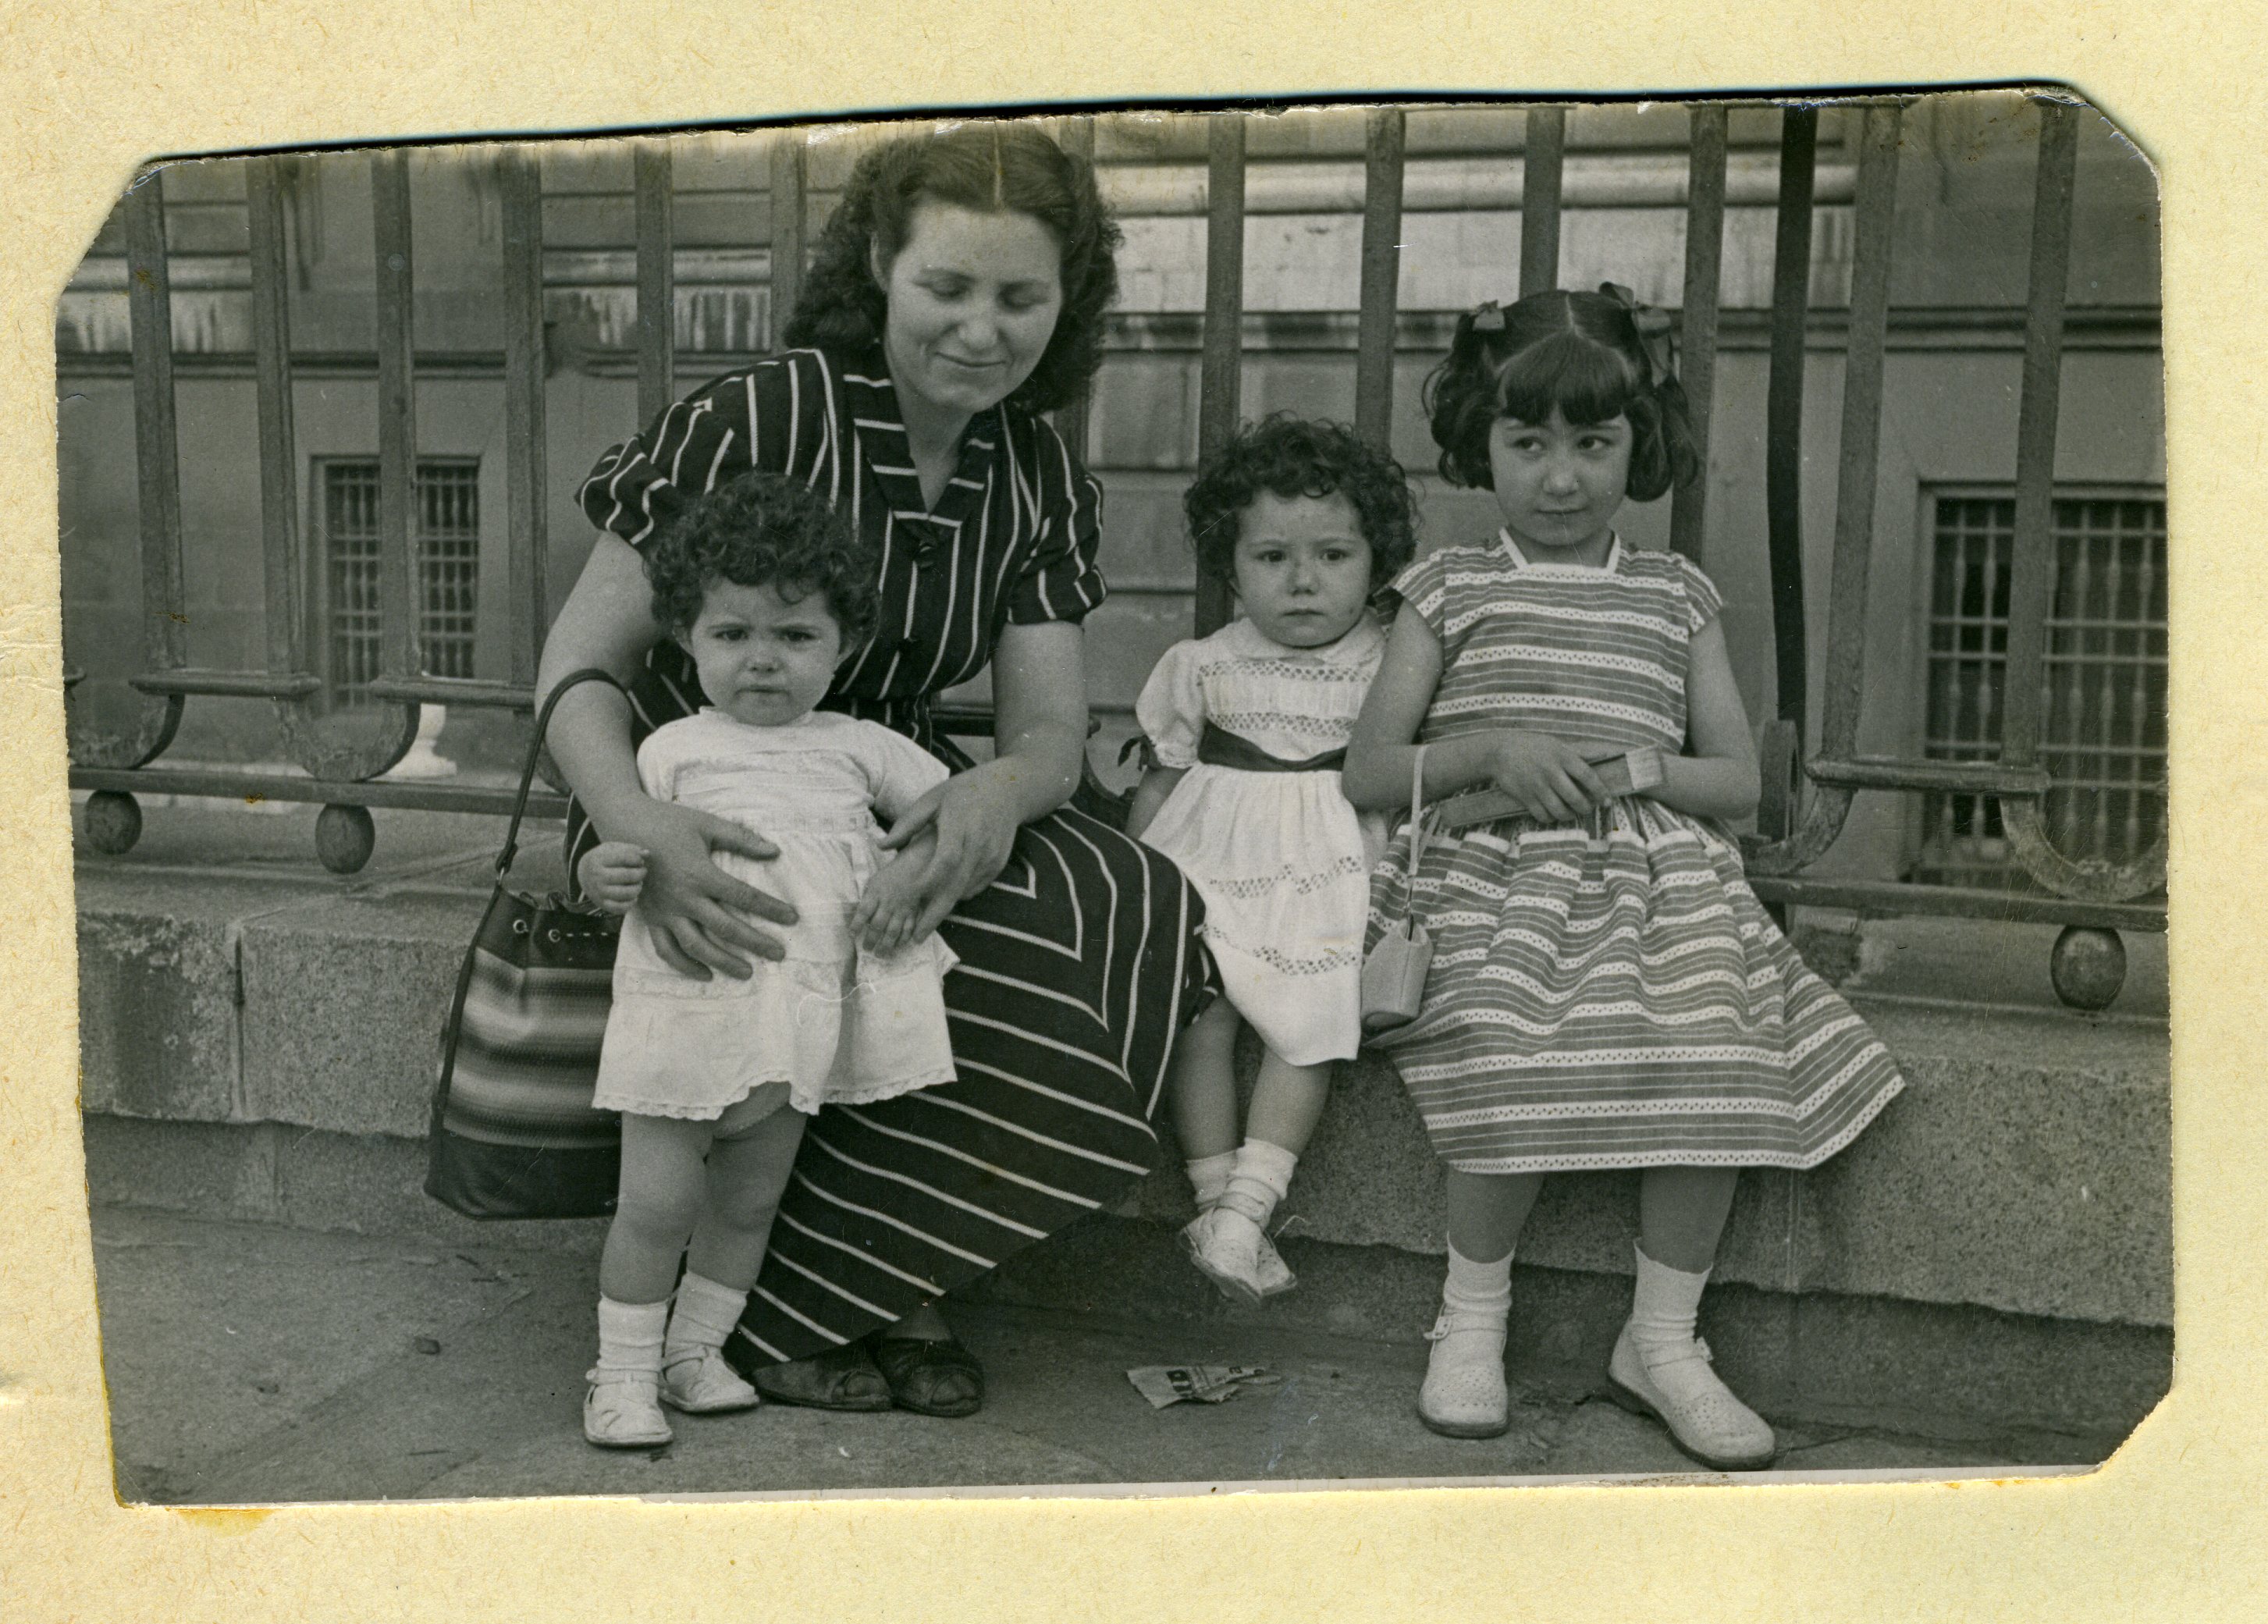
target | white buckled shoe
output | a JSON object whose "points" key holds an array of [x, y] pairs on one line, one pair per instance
{"points": [[1465, 1394], [702, 1384], [622, 1411], [1673, 1383]]}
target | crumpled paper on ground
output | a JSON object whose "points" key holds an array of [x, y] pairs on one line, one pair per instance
{"points": [[1205, 1383]]}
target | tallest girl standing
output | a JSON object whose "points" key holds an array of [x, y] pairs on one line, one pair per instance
{"points": [[1605, 991]]}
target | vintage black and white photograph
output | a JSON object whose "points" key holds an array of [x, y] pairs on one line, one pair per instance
{"points": [[1132, 800]]}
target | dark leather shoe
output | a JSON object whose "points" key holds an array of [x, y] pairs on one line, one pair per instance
{"points": [[841, 1378], [931, 1378]]}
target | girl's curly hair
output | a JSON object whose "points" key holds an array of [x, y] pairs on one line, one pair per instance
{"points": [[1580, 353], [763, 530], [1294, 456], [992, 166]]}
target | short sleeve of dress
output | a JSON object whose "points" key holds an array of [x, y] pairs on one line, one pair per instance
{"points": [[1423, 589], [1171, 710], [1704, 603], [1063, 579], [660, 756], [709, 437], [898, 772]]}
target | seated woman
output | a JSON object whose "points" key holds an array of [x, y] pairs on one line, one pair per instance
{"points": [[957, 294]]}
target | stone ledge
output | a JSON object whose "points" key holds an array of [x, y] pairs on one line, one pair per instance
{"points": [[1820, 1355], [2027, 1169]]}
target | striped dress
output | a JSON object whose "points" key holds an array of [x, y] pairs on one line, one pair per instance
{"points": [[1077, 965], [1615, 999]]}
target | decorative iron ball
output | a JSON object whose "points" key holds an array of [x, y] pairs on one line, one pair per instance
{"points": [[344, 838], [2088, 966], [114, 822]]}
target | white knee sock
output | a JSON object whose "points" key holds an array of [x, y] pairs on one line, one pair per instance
{"points": [[1665, 1303], [630, 1337], [1261, 1177], [1477, 1287], [1209, 1176], [705, 1315]]}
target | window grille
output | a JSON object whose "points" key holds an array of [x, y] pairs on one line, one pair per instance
{"points": [[448, 566], [2103, 699]]}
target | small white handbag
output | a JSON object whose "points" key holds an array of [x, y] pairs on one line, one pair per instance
{"points": [[1394, 971]]}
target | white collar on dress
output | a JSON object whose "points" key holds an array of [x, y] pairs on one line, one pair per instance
{"points": [[1249, 641], [1521, 560]]}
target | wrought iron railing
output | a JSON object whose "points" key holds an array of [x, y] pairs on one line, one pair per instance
{"points": [[1809, 789]]}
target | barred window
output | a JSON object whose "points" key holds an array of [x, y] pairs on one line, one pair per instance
{"points": [[448, 506], [2102, 701]]}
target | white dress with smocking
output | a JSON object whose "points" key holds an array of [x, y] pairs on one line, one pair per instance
{"points": [[1281, 858], [831, 1020]]}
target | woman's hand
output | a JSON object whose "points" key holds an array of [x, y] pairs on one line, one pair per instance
{"points": [[972, 818], [1547, 776], [697, 914]]}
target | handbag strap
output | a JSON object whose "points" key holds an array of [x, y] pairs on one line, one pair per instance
{"points": [[1417, 826], [1416, 810], [588, 673]]}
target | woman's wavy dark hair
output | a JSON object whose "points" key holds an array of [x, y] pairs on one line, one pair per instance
{"points": [[763, 530], [1294, 456], [1578, 353], [992, 166]]}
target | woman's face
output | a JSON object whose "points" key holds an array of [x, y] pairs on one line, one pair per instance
{"points": [[973, 301]]}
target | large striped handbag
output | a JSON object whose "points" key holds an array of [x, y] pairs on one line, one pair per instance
{"points": [[514, 1134]]}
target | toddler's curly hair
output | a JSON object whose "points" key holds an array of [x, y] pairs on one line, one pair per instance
{"points": [[1294, 456], [763, 530]]}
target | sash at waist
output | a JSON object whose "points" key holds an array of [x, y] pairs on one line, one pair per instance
{"points": [[1218, 747]]}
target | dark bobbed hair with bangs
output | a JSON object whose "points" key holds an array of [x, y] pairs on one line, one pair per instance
{"points": [[1579, 354], [764, 529], [992, 166], [1292, 456]]}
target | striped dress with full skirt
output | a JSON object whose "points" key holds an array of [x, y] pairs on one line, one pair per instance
{"points": [[1610, 993], [1077, 965]]}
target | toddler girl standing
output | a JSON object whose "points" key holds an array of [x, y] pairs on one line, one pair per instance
{"points": [[765, 589], [1247, 729], [1606, 992]]}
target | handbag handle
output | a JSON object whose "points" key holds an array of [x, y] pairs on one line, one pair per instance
{"points": [[588, 673], [1417, 825]]}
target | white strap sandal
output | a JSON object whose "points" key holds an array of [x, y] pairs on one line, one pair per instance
{"points": [[1465, 1394], [621, 1412], [1673, 1383], [702, 1384]]}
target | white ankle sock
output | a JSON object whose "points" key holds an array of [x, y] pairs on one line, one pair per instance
{"points": [[630, 1337], [1261, 1177], [1477, 1287], [705, 1315], [1665, 1303], [1209, 1176]]}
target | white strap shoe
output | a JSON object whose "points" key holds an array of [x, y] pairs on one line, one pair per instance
{"points": [[1273, 1275], [622, 1411], [702, 1384], [1465, 1394], [1673, 1383], [1229, 1248]]}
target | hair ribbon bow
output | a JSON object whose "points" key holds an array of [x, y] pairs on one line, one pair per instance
{"points": [[1652, 323], [1489, 317]]}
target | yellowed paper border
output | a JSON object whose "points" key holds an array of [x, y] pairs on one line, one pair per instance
{"points": [[2172, 1528]]}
